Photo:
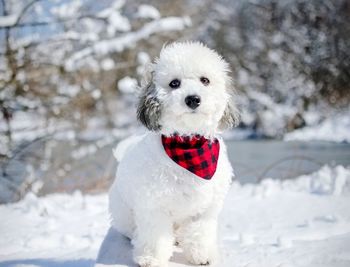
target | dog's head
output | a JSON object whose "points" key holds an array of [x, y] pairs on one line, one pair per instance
{"points": [[188, 91]]}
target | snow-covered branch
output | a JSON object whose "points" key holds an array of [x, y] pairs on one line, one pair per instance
{"points": [[8, 21], [11, 20], [129, 39]]}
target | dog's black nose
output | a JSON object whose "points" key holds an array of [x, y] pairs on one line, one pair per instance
{"points": [[193, 101]]}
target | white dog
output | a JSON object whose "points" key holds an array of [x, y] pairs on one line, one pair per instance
{"points": [[163, 192]]}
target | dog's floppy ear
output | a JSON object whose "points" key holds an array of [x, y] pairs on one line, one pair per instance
{"points": [[231, 115], [149, 106]]}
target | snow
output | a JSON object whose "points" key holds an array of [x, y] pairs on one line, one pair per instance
{"points": [[334, 129], [148, 12], [129, 39], [25, 126], [8, 21], [273, 116], [68, 89], [127, 85], [107, 64], [67, 10], [96, 94], [299, 222], [116, 21], [46, 231], [143, 58]]}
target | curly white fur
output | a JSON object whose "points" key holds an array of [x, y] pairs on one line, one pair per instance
{"points": [[154, 201]]}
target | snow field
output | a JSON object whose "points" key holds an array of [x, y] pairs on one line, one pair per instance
{"points": [[56, 230], [299, 222]]}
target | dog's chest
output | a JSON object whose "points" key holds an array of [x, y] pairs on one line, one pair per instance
{"points": [[188, 199], [157, 182], [186, 194]]}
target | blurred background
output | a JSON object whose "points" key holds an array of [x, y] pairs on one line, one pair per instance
{"points": [[69, 72]]}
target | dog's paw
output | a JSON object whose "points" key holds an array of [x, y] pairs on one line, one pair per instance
{"points": [[149, 261], [200, 257], [199, 261]]}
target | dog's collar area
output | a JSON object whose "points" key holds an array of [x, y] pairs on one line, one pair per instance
{"points": [[196, 153]]}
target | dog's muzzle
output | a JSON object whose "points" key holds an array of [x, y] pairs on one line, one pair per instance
{"points": [[193, 101]]}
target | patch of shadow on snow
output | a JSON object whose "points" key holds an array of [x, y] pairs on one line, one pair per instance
{"points": [[116, 249]]}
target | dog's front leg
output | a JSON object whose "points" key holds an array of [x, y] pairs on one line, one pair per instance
{"points": [[198, 239], [153, 239]]}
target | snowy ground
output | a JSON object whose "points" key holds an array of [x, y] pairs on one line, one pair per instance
{"points": [[299, 222]]}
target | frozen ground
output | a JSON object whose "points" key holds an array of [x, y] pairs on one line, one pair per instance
{"points": [[299, 222]]}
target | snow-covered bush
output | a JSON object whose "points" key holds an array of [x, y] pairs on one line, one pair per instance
{"points": [[62, 73], [288, 57]]}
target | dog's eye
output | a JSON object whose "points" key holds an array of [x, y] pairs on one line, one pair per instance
{"points": [[204, 80], [174, 84]]}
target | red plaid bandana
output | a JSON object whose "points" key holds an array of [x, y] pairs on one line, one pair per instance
{"points": [[196, 154]]}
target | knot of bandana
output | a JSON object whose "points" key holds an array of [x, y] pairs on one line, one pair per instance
{"points": [[196, 154]]}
